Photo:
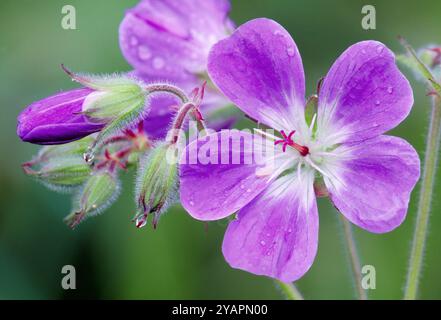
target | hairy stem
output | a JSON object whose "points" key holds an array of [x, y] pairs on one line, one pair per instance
{"points": [[354, 258], [168, 88], [425, 200], [289, 290]]}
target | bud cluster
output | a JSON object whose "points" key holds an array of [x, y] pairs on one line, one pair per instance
{"points": [[88, 165]]}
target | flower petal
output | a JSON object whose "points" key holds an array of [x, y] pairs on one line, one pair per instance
{"points": [[374, 186], [259, 68], [363, 95], [277, 233], [211, 191], [168, 38]]}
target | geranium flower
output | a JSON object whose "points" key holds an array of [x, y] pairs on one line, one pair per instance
{"points": [[369, 176]]}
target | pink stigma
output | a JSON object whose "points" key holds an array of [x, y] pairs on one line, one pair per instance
{"points": [[287, 141]]}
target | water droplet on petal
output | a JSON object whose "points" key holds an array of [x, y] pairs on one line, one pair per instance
{"points": [[377, 103], [289, 230], [191, 203], [278, 33], [262, 242], [290, 51], [242, 186], [380, 49], [248, 190], [144, 53], [158, 63], [133, 41], [390, 89]]}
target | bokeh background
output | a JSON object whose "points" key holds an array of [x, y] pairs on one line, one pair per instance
{"points": [[182, 258]]}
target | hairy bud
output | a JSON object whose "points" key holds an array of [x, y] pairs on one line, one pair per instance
{"points": [[98, 193], [156, 186]]}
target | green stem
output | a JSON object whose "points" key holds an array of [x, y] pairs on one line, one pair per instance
{"points": [[354, 258], [289, 290], [425, 200]]}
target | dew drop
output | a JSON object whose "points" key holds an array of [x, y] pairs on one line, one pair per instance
{"points": [[377, 103], [290, 51], [278, 33], [133, 41], [144, 53], [141, 222], [380, 49], [390, 89], [191, 203], [248, 190], [289, 230], [262, 243], [242, 186], [158, 63]]}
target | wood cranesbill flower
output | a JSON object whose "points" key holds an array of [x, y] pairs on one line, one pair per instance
{"points": [[369, 176]]}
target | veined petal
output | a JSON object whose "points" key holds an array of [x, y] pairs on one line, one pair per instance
{"points": [[276, 234], [363, 95], [374, 184], [221, 173], [259, 68], [172, 37]]}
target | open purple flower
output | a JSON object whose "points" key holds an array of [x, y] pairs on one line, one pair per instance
{"points": [[57, 119], [169, 40], [369, 176]]}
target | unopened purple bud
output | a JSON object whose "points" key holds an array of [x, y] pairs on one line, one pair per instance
{"points": [[57, 119]]}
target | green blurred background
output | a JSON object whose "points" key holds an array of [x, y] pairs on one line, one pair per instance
{"points": [[181, 259]]}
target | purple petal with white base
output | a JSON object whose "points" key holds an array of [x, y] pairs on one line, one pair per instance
{"points": [[363, 95], [259, 68], [276, 234], [375, 182], [56, 119], [211, 191], [173, 37]]}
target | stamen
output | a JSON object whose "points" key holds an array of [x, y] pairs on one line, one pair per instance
{"points": [[287, 141]]}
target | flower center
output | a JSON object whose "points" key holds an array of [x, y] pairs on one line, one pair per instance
{"points": [[287, 141]]}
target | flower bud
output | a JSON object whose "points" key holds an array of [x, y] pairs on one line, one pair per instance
{"points": [[98, 193], [57, 119], [61, 167], [106, 104], [156, 185]]}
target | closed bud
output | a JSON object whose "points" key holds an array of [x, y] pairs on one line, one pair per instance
{"points": [[61, 167], [156, 186], [98, 193], [57, 119]]}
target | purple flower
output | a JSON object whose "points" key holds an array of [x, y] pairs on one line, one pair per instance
{"points": [[172, 38], [169, 40], [56, 119], [369, 176]]}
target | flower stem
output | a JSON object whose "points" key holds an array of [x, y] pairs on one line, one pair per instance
{"points": [[354, 258], [289, 290], [169, 88], [427, 185]]}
